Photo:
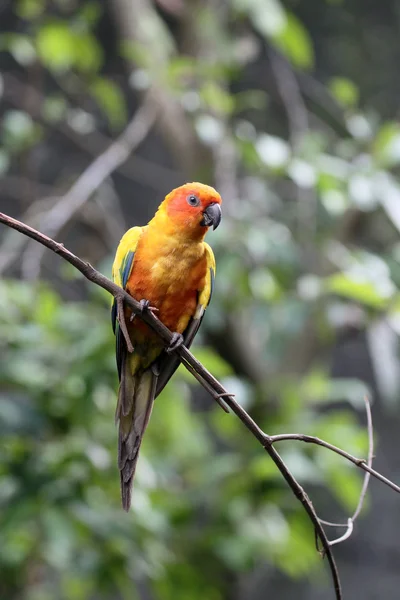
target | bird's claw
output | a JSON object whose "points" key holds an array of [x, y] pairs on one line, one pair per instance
{"points": [[155, 368], [145, 307], [176, 341]]}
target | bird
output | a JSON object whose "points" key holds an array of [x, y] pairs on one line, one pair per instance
{"points": [[169, 268]]}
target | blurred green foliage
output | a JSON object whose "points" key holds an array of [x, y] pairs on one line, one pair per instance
{"points": [[205, 493], [208, 505]]}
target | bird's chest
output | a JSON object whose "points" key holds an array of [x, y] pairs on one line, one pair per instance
{"points": [[170, 280]]}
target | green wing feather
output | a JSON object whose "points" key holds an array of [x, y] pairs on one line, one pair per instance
{"points": [[121, 270]]}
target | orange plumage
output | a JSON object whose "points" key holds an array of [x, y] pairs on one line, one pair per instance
{"points": [[168, 264]]}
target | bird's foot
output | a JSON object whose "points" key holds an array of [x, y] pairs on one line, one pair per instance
{"points": [[145, 307], [176, 341], [145, 304], [122, 323]]}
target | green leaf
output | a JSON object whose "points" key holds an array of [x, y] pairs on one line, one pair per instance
{"points": [[110, 98], [295, 42], [54, 108], [19, 130], [61, 48], [360, 291], [386, 146], [250, 99], [345, 487], [264, 285], [216, 98], [21, 48], [179, 69], [30, 9], [88, 55], [344, 90], [317, 387], [56, 46], [59, 537], [267, 16], [91, 12], [297, 556]]}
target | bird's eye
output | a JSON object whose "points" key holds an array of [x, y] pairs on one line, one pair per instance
{"points": [[193, 200]]}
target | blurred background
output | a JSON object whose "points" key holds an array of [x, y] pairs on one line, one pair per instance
{"points": [[289, 108]]}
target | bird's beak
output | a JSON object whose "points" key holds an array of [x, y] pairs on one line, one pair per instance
{"points": [[211, 215]]}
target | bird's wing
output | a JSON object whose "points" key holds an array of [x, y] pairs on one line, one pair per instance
{"points": [[121, 271], [167, 364]]}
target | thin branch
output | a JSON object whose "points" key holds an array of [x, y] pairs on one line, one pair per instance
{"points": [[367, 476], [136, 168], [12, 244], [107, 204], [210, 390], [346, 535], [359, 462], [330, 524], [290, 94], [187, 358], [369, 461], [158, 46], [89, 181], [93, 143], [21, 188], [298, 125]]}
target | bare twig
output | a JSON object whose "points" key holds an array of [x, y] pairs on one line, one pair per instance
{"points": [[21, 188], [12, 245], [298, 125], [93, 143], [187, 358], [107, 205], [369, 460], [290, 94], [350, 521], [158, 45], [103, 214], [207, 386], [89, 181], [346, 535], [359, 462], [136, 168]]}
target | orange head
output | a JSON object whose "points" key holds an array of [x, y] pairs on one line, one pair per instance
{"points": [[193, 207]]}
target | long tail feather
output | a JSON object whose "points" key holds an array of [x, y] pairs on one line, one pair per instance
{"points": [[135, 403]]}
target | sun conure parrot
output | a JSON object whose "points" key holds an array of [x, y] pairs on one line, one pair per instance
{"points": [[168, 267]]}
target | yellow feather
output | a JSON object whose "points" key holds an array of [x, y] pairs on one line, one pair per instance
{"points": [[205, 294], [128, 243]]}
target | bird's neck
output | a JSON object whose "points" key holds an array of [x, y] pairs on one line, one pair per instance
{"points": [[183, 231]]}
